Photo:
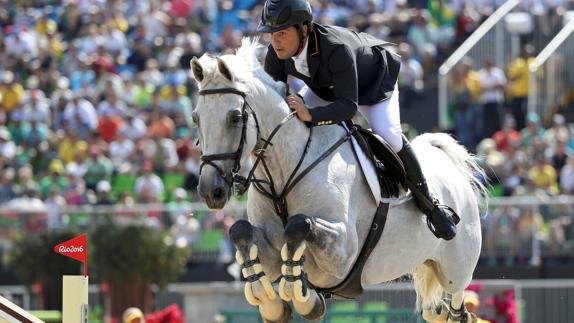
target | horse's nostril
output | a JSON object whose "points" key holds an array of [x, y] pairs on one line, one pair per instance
{"points": [[218, 193]]}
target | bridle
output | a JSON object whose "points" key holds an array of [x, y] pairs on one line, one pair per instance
{"points": [[233, 178], [239, 184]]}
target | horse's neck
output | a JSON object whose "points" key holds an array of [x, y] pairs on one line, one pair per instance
{"points": [[287, 145]]}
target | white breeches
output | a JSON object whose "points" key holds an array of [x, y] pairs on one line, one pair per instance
{"points": [[384, 117]]}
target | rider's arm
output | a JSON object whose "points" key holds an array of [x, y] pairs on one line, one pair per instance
{"points": [[344, 72], [275, 67]]}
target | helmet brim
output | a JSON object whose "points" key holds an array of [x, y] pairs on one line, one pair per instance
{"points": [[271, 29]]}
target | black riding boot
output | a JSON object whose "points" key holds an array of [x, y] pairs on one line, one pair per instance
{"points": [[443, 219]]}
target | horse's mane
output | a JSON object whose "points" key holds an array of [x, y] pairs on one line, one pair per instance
{"points": [[245, 66]]}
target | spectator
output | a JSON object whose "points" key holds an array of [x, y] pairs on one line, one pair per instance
{"points": [[492, 83], [81, 113], [8, 148], [133, 315], [112, 105], [103, 189], [54, 181], [71, 146], [148, 187], [559, 157], [567, 177], [465, 84], [411, 76], [121, 151], [134, 127], [532, 132], [7, 191], [98, 168], [557, 133], [472, 303], [506, 136], [423, 39], [518, 75], [11, 93], [36, 109], [544, 177]]}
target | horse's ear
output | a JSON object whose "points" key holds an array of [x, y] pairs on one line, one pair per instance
{"points": [[224, 69], [196, 69]]}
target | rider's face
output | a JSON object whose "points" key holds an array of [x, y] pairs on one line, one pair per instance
{"points": [[285, 42]]}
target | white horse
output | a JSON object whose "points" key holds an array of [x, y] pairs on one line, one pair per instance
{"points": [[331, 209]]}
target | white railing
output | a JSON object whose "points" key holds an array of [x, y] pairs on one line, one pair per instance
{"points": [[552, 73], [490, 39], [504, 225]]}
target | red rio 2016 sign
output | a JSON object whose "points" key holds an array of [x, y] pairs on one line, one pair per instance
{"points": [[75, 248]]}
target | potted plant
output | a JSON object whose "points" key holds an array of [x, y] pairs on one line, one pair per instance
{"points": [[132, 258]]}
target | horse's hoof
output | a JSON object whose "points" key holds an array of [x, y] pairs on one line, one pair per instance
{"points": [[318, 311], [282, 290], [250, 296], [287, 315]]}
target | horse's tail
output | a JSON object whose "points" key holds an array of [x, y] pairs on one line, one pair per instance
{"points": [[464, 161], [429, 290]]}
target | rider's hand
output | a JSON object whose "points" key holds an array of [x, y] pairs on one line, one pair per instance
{"points": [[296, 103]]}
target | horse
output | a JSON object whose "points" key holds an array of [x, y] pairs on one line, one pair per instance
{"points": [[245, 126]]}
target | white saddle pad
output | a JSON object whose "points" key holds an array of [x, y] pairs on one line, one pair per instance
{"points": [[369, 171]]}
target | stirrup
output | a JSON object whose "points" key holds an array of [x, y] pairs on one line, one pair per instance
{"points": [[447, 211]]}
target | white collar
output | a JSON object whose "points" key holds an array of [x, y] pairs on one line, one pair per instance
{"points": [[303, 54]]}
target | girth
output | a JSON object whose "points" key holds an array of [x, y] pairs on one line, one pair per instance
{"points": [[351, 287]]}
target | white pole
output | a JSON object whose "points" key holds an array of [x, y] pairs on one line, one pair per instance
{"points": [[75, 299]]}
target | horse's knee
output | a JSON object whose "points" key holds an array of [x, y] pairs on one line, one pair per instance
{"points": [[298, 229], [241, 233]]}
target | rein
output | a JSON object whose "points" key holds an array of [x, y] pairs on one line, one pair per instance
{"points": [[240, 184]]}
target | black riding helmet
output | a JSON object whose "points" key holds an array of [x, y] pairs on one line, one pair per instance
{"points": [[280, 14]]}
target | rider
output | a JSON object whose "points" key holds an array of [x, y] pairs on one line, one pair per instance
{"points": [[344, 71]]}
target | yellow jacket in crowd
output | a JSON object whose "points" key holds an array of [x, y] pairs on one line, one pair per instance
{"points": [[518, 74]]}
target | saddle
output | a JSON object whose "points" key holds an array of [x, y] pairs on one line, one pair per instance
{"points": [[390, 170], [391, 174]]}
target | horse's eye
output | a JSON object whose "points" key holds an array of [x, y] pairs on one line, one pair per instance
{"points": [[234, 117], [195, 118]]}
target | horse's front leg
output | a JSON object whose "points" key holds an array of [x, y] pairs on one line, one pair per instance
{"points": [[253, 249], [301, 232]]}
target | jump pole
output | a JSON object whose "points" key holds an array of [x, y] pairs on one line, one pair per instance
{"points": [[75, 299], [11, 313], [75, 287]]}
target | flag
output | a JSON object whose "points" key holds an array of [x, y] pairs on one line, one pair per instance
{"points": [[75, 248]]}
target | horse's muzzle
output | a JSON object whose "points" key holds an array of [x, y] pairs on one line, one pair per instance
{"points": [[213, 190]]}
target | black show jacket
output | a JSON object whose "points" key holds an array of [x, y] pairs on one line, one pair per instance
{"points": [[346, 68]]}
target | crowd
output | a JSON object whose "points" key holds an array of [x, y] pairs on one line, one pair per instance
{"points": [[96, 97]]}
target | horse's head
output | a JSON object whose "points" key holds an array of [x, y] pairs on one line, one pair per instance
{"points": [[227, 131]]}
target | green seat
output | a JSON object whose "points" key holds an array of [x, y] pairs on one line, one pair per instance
{"points": [[123, 183], [376, 307], [79, 220], [344, 312], [171, 181], [209, 240], [496, 190]]}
